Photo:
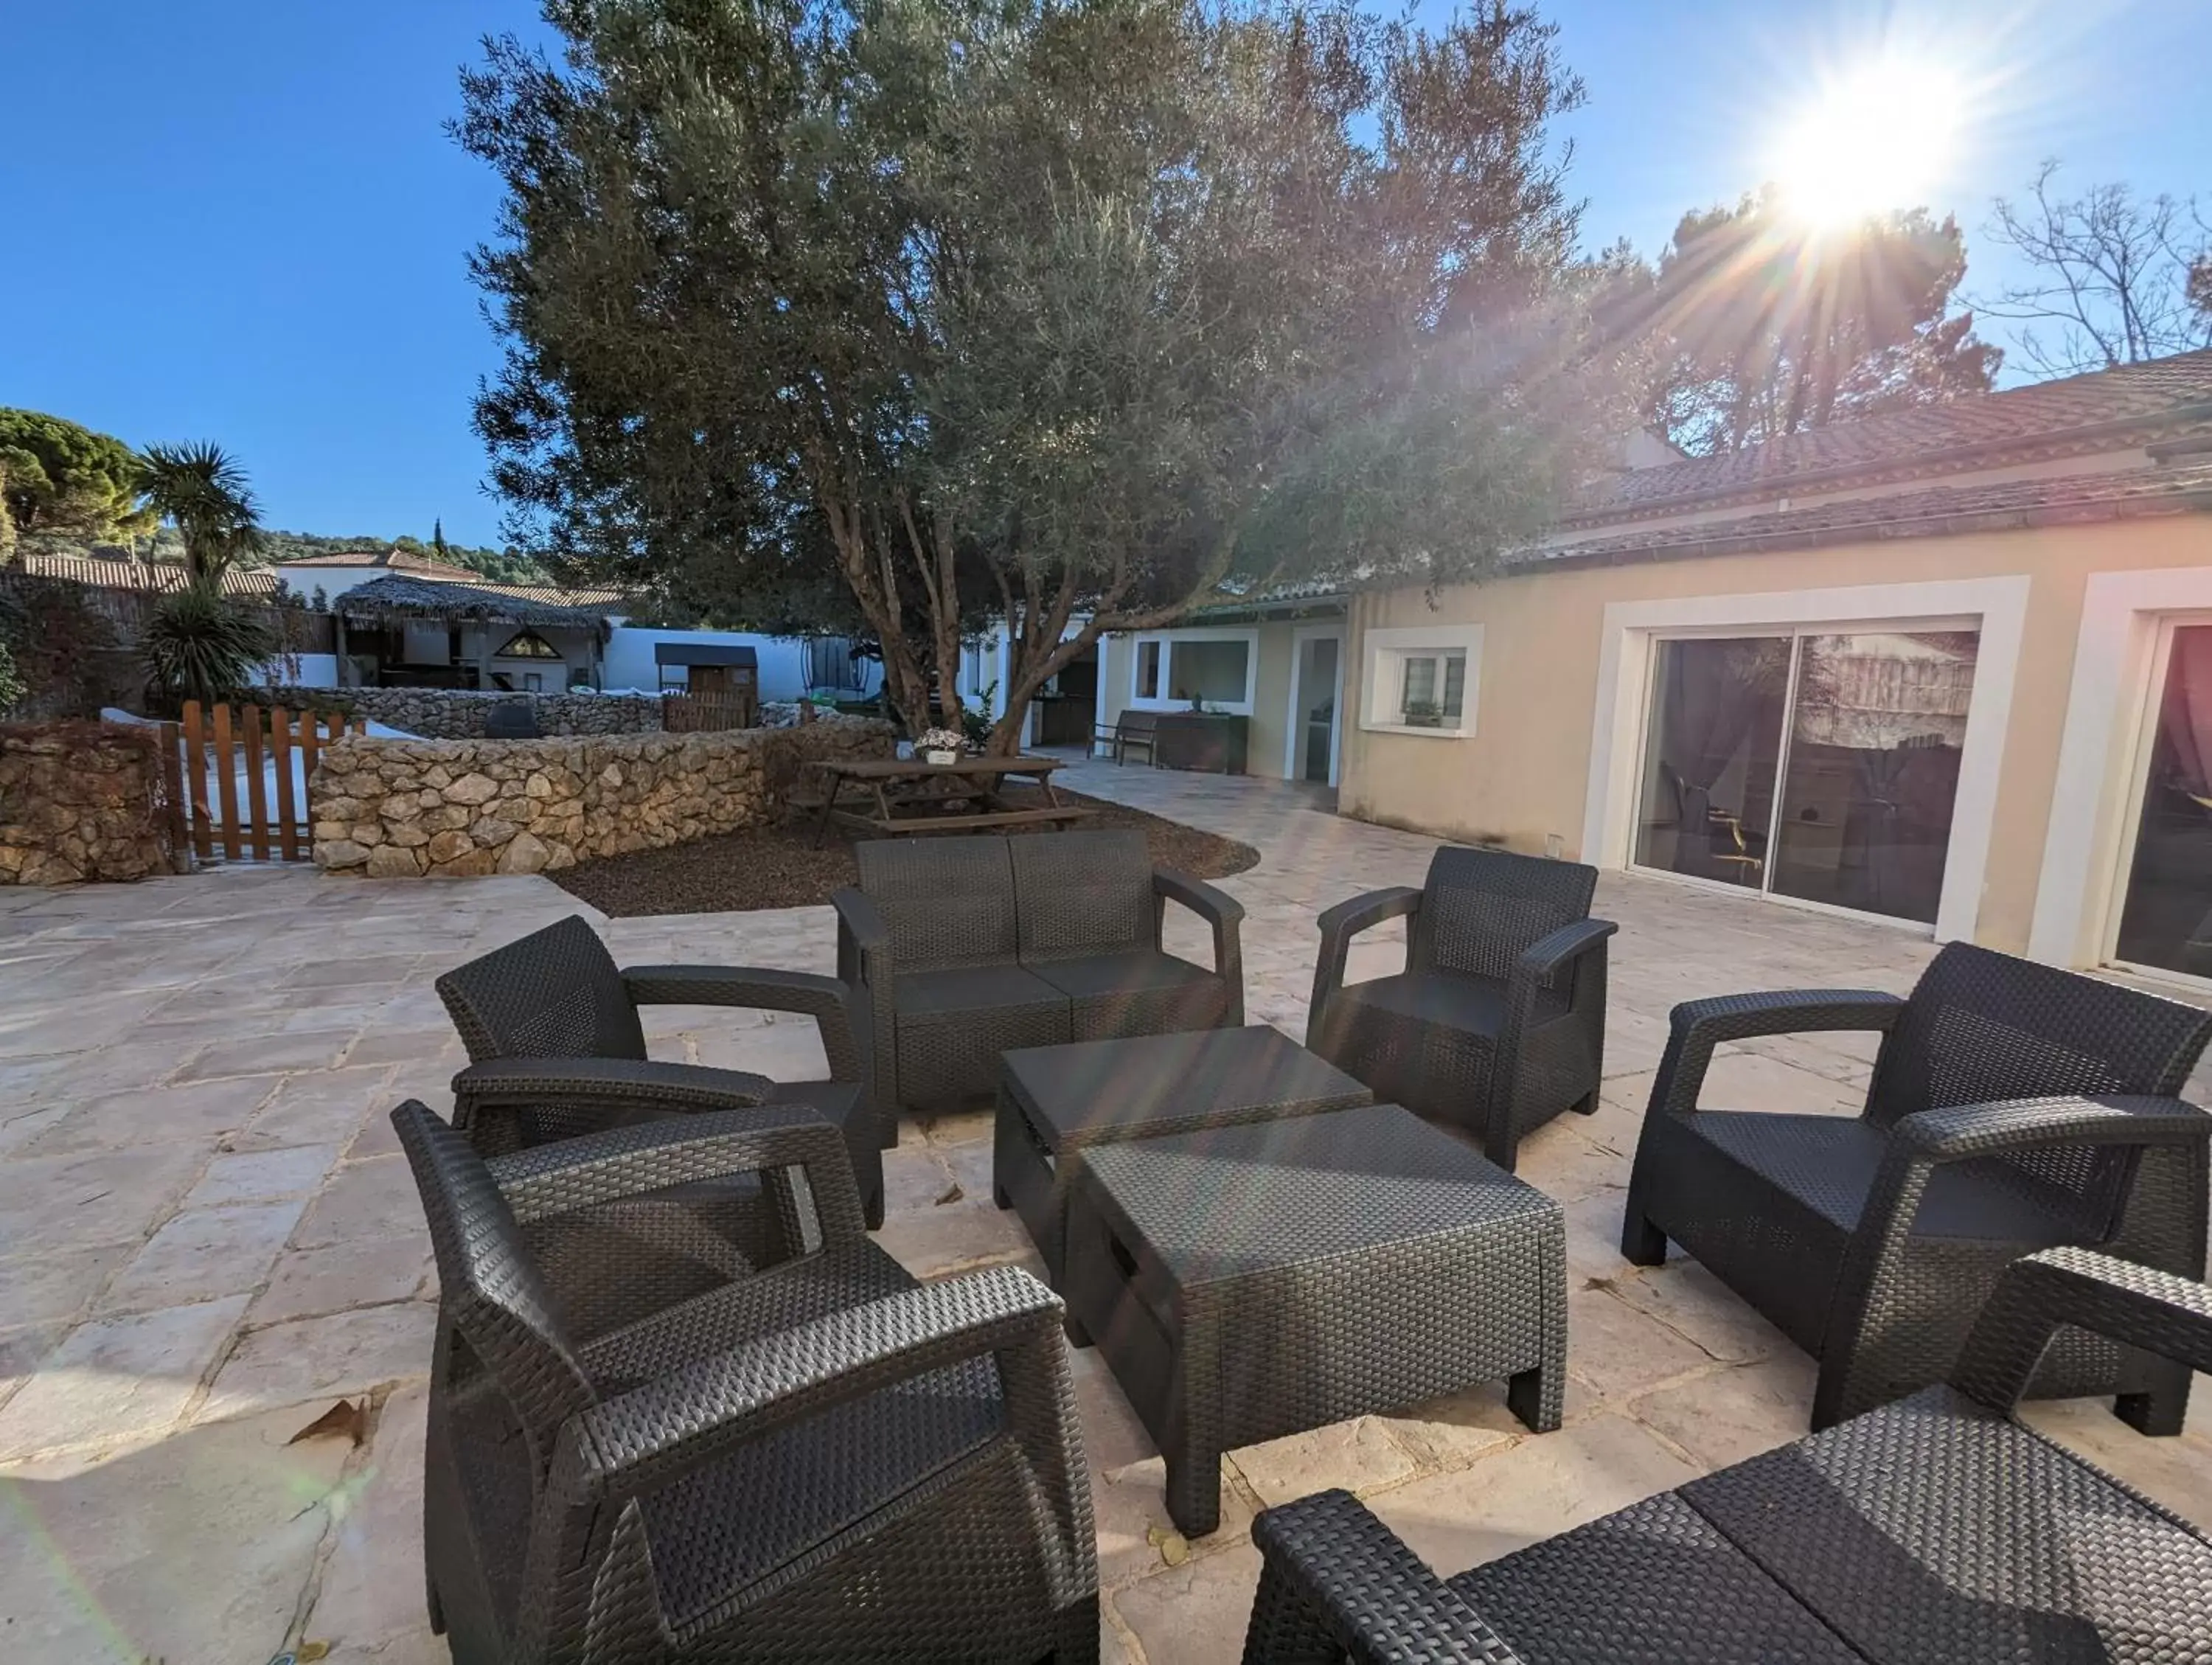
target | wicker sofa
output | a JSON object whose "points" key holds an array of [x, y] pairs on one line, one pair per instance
{"points": [[1936, 1529], [821, 1461], [1498, 1022], [2014, 1107], [964, 949]]}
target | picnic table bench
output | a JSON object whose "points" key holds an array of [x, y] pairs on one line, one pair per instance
{"points": [[890, 796]]}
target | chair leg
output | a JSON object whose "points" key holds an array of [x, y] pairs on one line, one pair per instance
{"points": [[437, 1607], [1586, 1105], [1078, 1634], [2159, 1410], [1641, 1243], [872, 1208], [1527, 1398]]}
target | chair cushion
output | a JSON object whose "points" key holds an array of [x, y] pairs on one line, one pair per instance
{"points": [[1140, 991], [1827, 1164], [1654, 1582], [1936, 1529], [1473, 1007], [958, 995]]}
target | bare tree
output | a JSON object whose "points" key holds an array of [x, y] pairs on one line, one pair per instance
{"points": [[2117, 279]]}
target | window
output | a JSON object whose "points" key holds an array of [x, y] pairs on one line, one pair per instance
{"points": [[2166, 900], [1822, 766], [527, 645], [1213, 669], [1148, 669], [1421, 680]]}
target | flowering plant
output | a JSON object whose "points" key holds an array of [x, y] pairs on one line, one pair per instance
{"points": [[941, 739]]}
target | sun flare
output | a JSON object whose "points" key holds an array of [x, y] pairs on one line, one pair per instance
{"points": [[1876, 139]]}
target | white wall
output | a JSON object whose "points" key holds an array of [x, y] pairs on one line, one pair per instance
{"points": [[629, 662], [315, 671]]}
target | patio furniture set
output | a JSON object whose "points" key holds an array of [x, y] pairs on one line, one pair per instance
{"points": [[684, 1407]]}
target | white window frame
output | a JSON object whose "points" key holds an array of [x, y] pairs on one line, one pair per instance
{"points": [[1997, 606], [1165, 701], [2094, 806], [1383, 654]]}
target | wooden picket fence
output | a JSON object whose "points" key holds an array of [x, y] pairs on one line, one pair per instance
{"points": [[694, 713], [238, 779]]}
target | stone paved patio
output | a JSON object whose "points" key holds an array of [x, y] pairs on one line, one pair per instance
{"points": [[207, 1236]]}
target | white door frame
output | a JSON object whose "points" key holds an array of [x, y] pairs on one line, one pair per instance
{"points": [[2091, 801], [1623, 685], [1294, 718]]}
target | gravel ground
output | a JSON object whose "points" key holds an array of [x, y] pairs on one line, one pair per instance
{"points": [[780, 867]]}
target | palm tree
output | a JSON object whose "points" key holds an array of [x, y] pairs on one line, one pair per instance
{"points": [[200, 489]]}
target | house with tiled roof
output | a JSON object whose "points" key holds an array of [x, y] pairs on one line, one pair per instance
{"points": [[1948, 668]]}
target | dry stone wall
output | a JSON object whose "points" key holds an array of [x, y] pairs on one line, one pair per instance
{"points": [[81, 800], [458, 713], [400, 809]]}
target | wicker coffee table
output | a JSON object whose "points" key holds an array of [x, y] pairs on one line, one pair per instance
{"points": [[1056, 1103], [1248, 1282]]}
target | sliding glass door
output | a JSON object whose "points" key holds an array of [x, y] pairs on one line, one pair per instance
{"points": [[1821, 766], [2165, 901]]}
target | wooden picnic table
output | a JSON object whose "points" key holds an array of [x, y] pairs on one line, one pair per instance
{"points": [[905, 793]]}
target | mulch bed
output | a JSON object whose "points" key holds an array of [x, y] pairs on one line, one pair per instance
{"points": [[780, 867]]}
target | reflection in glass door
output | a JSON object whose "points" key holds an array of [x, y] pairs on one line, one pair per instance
{"points": [[1822, 767], [1712, 754], [2166, 908], [1875, 736]]}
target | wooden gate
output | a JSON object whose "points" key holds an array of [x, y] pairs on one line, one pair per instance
{"points": [[692, 713], [238, 779]]}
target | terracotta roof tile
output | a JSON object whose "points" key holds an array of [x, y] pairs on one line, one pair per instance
{"points": [[2077, 408], [1933, 510], [260, 583]]}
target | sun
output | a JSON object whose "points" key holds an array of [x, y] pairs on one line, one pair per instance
{"points": [[1875, 139]]}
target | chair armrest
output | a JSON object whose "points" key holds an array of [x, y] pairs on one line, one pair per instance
{"points": [[647, 1438], [1919, 1144], [1959, 1131], [1218, 909], [627, 1162], [1698, 1026], [2136, 1305], [861, 920], [828, 1000], [1549, 955], [1339, 926], [500, 1083], [1335, 1580]]}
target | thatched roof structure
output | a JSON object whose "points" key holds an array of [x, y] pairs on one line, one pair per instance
{"points": [[398, 596]]}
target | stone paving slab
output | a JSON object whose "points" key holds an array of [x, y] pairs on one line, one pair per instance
{"points": [[206, 1235]]}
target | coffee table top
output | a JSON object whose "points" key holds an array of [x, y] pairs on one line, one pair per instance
{"points": [[1230, 1202], [1101, 1092]]}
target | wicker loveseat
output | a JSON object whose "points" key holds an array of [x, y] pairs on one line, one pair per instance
{"points": [[963, 949], [2014, 1107], [821, 1461], [1933, 1531], [1498, 1022]]}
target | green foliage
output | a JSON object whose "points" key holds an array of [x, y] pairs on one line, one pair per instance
{"points": [[509, 565], [57, 477], [56, 638], [12, 685], [198, 646], [200, 489], [1758, 327], [1099, 310]]}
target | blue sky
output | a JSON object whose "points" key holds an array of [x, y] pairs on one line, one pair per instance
{"points": [[240, 220]]}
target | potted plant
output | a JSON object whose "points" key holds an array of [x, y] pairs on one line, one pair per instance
{"points": [[940, 746], [1424, 714]]}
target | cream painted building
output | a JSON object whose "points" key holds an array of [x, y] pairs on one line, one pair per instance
{"points": [[1951, 667]]}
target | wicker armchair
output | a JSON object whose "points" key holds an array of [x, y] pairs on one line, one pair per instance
{"points": [[964, 949], [1937, 1529], [1498, 1022], [2014, 1108], [824, 1461], [552, 1025]]}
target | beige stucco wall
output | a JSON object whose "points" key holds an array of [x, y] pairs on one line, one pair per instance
{"points": [[1524, 773], [1270, 692]]}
